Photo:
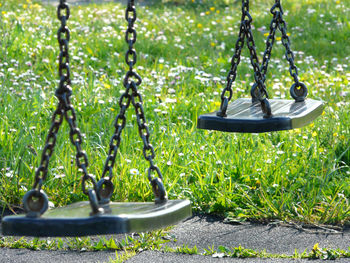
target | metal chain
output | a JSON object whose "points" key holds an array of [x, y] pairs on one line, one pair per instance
{"points": [[278, 22], [270, 39], [231, 77], [125, 99], [148, 150], [269, 45], [261, 93], [64, 109], [282, 26], [119, 124], [258, 76], [131, 94], [130, 39], [41, 171], [298, 90]]}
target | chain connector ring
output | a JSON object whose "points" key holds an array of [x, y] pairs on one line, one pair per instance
{"points": [[298, 91], [35, 203], [105, 190], [159, 191], [266, 108], [63, 6], [255, 93], [223, 108], [96, 210]]}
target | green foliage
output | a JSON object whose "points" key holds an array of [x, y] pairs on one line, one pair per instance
{"points": [[184, 52], [144, 241]]}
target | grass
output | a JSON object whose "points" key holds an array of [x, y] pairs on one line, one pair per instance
{"points": [[184, 49]]}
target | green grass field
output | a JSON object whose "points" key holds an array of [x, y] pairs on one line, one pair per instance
{"points": [[184, 51]]}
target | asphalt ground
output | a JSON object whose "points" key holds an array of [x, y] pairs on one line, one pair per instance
{"points": [[203, 232], [274, 238], [8, 255], [154, 256]]}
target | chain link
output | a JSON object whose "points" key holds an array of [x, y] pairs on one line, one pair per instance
{"points": [[64, 109], [131, 95]]}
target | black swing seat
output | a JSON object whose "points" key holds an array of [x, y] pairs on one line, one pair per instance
{"points": [[74, 219], [247, 117]]}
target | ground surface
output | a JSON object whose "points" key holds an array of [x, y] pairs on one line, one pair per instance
{"points": [[208, 231], [204, 232], [149, 256]]}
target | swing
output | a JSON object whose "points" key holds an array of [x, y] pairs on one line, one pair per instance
{"points": [[261, 114], [98, 216]]}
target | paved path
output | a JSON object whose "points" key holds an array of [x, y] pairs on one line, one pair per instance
{"points": [[8, 255], [208, 230], [154, 256], [203, 232]]}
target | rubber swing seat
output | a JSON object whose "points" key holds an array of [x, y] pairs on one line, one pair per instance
{"points": [[247, 117], [74, 219]]}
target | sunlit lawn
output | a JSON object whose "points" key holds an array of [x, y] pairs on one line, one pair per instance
{"points": [[184, 53]]}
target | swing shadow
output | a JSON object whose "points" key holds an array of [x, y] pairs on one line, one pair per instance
{"points": [[269, 226]]}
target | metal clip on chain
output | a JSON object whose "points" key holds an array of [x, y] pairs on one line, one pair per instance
{"points": [[131, 95], [35, 202]]}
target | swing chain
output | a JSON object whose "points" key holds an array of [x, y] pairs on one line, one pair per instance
{"points": [[136, 99], [282, 26], [231, 77], [130, 38], [261, 92], [298, 90], [41, 172], [131, 94], [148, 150], [58, 115], [269, 45], [64, 92], [76, 139], [119, 124], [270, 39], [64, 110], [125, 99]]}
